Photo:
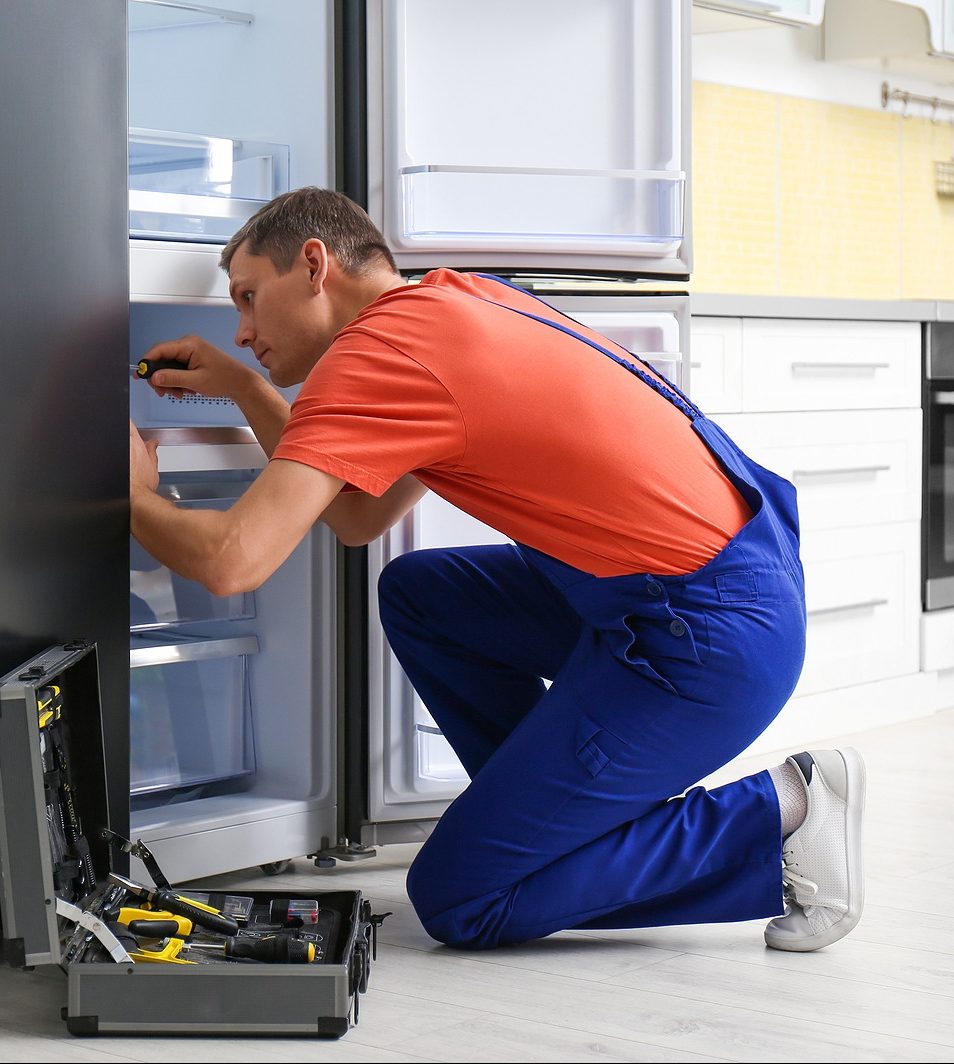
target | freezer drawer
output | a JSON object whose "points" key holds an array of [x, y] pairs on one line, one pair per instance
{"points": [[543, 157], [190, 711]]}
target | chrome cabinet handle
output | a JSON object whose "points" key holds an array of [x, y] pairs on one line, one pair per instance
{"points": [[847, 471], [868, 604], [840, 365]]}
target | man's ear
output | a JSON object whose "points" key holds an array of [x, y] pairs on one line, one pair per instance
{"points": [[315, 256]]}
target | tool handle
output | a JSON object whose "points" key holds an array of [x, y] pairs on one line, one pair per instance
{"points": [[157, 928], [278, 949], [155, 919], [147, 366], [211, 921]]}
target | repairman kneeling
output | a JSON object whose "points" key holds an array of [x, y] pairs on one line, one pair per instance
{"points": [[654, 578]]}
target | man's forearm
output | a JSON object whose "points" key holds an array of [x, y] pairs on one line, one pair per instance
{"points": [[264, 408], [190, 542]]}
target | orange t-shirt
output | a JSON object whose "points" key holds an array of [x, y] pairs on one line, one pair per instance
{"points": [[524, 427]]}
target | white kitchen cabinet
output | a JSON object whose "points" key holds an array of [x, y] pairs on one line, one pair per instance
{"points": [[833, 406], [792, 364], [798, 12], [716, 364], [864, 605], [912, 37], [851, 467]]}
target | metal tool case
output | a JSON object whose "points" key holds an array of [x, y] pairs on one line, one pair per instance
{"points": [[112, 997]]}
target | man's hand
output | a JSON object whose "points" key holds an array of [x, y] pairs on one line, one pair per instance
{"points": [[208, 371], [143, 463], [205, 369]]}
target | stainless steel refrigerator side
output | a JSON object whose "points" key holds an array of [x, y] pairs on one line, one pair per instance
{"points": [[64, 328]]}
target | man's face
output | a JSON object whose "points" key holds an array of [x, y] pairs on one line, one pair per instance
{"points": [[281, 318]]}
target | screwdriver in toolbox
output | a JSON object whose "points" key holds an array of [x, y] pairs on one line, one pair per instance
{"points": [[273, 949], [160, 899]]}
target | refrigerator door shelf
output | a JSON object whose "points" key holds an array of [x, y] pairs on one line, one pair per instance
{"points": [[183, 186], [487, 208], [495, 141]]}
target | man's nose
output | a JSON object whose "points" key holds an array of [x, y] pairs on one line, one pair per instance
{"points": [[244, 334]]}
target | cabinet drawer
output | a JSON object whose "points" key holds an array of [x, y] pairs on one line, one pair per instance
{"points": [[830, 365], [716, 364], [861, 588], [854, 467]]}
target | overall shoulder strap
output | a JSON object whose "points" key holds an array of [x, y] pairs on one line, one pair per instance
{"points": [[664, 388]]}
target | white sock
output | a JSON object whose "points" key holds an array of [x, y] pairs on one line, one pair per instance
{"points": [[792, 800]]}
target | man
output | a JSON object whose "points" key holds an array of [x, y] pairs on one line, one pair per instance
{"points": [[654, 579]]}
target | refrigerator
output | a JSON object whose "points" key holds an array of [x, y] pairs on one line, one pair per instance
{"points": [[547, 141]]}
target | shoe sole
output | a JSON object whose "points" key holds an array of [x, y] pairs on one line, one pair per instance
{"points": [[855, 786]]}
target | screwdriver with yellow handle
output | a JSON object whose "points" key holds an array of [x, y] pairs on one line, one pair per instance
{"points": [[272, 949], [145, 367]]}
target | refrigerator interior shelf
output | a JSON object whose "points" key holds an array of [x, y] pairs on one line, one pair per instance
{"points": [[176, 14], [171, 653], [199, 187], [527, 207], [144, 202]]}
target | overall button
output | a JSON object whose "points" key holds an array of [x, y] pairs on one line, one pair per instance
{"points": [[653, 588], [677, 628]]}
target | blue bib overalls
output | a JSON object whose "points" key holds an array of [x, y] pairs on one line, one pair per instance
{"points": [[570, 819]]}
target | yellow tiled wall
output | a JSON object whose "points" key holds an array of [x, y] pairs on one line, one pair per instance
{"points": [[804, 198]]}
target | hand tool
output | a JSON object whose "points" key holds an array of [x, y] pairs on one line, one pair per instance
{"points": [[166, 952], [273, 949], [153, 923], [162, 898], [145, 367]]}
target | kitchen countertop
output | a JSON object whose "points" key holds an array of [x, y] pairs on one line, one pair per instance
{"points": [[704, 304]]}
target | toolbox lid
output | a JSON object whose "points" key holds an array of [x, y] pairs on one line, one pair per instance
{"points": [[31, 931]]}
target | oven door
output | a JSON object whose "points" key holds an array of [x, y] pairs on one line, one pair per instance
{"points": [[939, 495]]}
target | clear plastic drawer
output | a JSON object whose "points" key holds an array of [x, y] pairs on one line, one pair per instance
{"points": [[190, 711], [160, 597], [183, 186]]}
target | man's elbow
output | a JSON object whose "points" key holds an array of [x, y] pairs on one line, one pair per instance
{"points": [[227, 578]]}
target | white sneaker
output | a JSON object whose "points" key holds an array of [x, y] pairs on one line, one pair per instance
{"points": [[822, 873]]}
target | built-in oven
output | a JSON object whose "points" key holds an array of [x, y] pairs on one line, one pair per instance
{"points": [[938, 517]]}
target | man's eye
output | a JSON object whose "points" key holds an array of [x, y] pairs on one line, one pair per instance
{"points": [[246, 297]]}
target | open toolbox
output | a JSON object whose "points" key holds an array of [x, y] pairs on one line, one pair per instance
{"points": [[148, 958]]}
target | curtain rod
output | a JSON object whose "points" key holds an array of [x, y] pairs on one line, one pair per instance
{"points": [[888, 94]]}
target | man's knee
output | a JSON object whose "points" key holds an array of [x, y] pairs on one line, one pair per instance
{"points": [[472, 924]]}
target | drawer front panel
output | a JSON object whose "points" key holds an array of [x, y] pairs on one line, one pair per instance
{"points": [[716, 364], [861, 588], [850, 468], [830, 365]]}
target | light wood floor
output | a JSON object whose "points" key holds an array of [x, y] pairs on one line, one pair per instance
{"points": [[885, 993]]}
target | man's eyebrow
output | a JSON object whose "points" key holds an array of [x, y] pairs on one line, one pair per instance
{"points": [[234, 285]]}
